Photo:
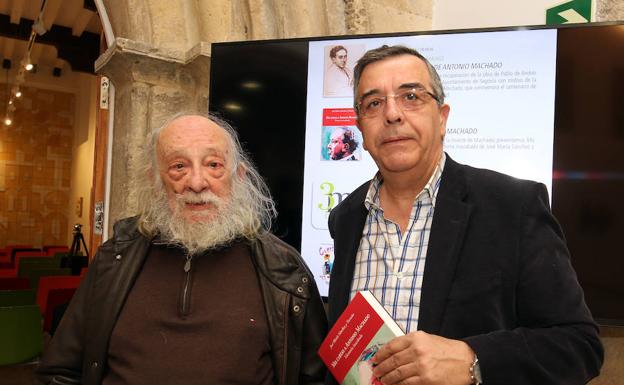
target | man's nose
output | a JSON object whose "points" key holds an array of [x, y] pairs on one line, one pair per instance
{"points": [[392, 112], [198, 181]]}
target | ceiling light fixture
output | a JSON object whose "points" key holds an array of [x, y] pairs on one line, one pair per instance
{"points": [[26, 64]]}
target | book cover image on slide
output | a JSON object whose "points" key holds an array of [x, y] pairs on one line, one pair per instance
{"points": [[340, 137], [358, 334]]}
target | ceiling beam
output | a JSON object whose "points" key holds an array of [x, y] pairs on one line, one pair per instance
{"points": [[80, 52], [81, 22], [16, 11], [50, 13]]}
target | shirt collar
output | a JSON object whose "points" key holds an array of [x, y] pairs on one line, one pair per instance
{"points": [[431, 188]]}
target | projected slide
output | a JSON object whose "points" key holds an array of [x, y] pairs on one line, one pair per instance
{"points": [[500, 87]]}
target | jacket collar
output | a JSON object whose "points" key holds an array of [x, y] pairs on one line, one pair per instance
{"points": [[447, 233]]}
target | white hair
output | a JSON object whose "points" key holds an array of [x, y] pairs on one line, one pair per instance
{"points": [[247, 213]]}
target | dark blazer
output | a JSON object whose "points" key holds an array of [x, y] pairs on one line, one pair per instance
{"points": [[497, 275]]}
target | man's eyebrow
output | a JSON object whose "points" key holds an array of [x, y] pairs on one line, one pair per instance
{"points": [[369, 92], [412, 85], [404, 86]]}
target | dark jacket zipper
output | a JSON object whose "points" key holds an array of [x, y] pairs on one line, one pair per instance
{"points": [[185, 300]]}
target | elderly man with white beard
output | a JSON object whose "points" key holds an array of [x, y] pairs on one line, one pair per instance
{"points": [[194, 289]]}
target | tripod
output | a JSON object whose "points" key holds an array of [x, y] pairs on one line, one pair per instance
{"points": [[78, 238], [75, 258]]}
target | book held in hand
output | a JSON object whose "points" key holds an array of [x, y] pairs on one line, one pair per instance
{"points": [[360, 331]]}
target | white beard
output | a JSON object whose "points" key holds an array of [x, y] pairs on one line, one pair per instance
{"points": [[224, 221]]}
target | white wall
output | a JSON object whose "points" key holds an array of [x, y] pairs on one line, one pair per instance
{"points": [[457, 14]]}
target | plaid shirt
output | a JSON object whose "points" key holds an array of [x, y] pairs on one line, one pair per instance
{"points": [[391, 264]]}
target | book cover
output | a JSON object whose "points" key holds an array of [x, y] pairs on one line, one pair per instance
{"points": [[340, 137], [358, 334]]}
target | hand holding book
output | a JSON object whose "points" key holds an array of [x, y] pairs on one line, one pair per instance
{"points": [[430, 358], [355, 338], [367, 347]]}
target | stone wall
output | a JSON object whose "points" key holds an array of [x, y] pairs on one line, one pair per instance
{"points": [[609, 10], [35, 168]]}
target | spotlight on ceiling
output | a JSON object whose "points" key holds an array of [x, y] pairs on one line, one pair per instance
{"points": [[8, 121]]}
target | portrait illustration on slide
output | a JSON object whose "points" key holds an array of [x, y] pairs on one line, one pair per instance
{"points": [[338, 71]]}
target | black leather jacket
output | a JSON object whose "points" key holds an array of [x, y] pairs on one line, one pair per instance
{"points": [[78, 352]]}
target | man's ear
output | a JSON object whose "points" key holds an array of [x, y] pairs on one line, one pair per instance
{"points": [[444, 113], [241, 171]]}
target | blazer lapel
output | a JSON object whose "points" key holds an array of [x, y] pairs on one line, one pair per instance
{"points": [[349, 226], [447, 232]]}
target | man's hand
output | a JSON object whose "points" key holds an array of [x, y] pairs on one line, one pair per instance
{"points": [[421, 358]]}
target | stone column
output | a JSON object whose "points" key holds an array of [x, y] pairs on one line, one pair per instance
{"points": [[149, 87]]}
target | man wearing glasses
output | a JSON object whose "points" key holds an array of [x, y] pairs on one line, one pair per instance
{"points": [[470, 262]]}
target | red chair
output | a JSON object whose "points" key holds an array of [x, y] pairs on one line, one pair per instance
{"points": [[51, 250], [27, 254], [10, 270], [8, 251], [56, 298], [48, 283], [16, 250], [14, 283]]}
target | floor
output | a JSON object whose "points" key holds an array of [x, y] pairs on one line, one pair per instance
{"points": [[18, 374], [22, 374]]}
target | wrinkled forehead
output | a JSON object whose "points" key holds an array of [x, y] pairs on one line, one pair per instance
{"points": [[194, 133]]}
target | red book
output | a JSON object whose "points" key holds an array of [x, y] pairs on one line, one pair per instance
{"points": [[358, 334]]}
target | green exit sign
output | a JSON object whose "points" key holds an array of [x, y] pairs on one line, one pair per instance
{"points": [[575, 11]]}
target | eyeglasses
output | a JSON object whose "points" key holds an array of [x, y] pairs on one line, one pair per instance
{"points": [[407, 100]]}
